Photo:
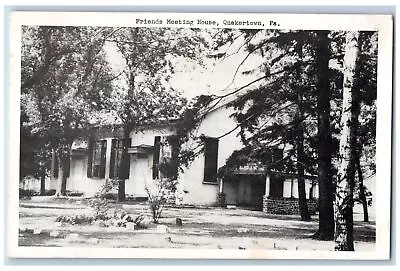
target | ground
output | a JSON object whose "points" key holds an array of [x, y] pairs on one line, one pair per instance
{"points": [[211, 228]]}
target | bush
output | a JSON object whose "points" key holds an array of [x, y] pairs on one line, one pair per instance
{"points": [[101, 204], [100, 208], [75, 219], [27, 194], [118, 219], [110, 196], [102, 212], [159, 192], [74, 194]]}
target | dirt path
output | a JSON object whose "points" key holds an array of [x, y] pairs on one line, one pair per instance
{"points": [[202, 228]]}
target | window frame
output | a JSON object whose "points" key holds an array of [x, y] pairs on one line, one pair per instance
{"points": [[102, 146]]}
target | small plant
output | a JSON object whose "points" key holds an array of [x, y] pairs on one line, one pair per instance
{"points": [[100, 204], [75, 219], [159, 192]]}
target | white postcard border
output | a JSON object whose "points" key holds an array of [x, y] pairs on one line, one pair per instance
{"points": [[380, 23]]}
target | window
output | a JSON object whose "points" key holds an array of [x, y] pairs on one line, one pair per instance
{"points": [[156, 156], [97, 159], [210, 159], [165, 157]]}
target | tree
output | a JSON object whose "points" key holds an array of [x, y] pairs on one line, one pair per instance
{"points": [[35, 156], [299, 138], [324, 139], [149, 55], [64, 78], [364, 93], [345, 178], [295, 101], [276, 108], [288, 104]]}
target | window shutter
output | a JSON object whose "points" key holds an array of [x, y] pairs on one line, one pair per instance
{"points": [[156, 156], [210, 159], [113, 163], [173, 141], [90, 159], [103, 159]]}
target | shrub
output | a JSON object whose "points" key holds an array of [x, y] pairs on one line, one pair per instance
{"points": [[100, 204], [27, 194], [159, 192], [100, 208], [74, 194], [75, 219]]}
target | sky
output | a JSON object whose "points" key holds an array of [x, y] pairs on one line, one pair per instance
{"points": [[217, 76]]}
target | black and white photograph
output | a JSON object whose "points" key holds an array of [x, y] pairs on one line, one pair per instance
{"points": [[156, 135]]}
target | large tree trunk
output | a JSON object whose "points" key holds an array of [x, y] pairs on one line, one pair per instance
{"points": [[64, 159], [125, 161], [42, 181], [124, 165], [326, 222], [64, 181], [304, 214], [300, 171], [362, 196], [345, 179], [63, 170], [61, 182]]}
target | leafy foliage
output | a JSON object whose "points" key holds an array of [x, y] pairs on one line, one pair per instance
{"points": [[64, 79]]}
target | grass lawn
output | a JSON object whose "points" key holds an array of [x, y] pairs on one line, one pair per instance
{"points": [[210, 228]]}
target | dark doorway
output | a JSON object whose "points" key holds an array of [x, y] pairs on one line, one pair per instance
{"points": [[276, 187], [251, 190]]}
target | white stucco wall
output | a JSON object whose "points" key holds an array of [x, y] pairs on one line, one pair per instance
{"points": [[140, 174], [146, 136], [141, 171], [78, 180], [215, 124], [291, 189]]}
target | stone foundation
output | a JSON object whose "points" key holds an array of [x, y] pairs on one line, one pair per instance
{"points": [[221, 200], [287, 206]]}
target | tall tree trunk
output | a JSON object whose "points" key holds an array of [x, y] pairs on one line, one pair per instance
{"points": [[64, 180], [62, 175], [362, 196], [326, 222], [42, 181], [61, 179], [304, 214], [345, 179], [125, 161], [124, 165], [63, 170]]}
